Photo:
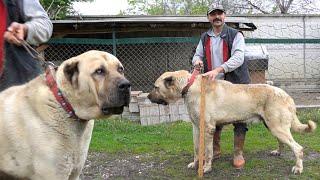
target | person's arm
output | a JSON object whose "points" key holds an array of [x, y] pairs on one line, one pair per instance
{"points": [[198, 56], [237, 54], [39, 27]]}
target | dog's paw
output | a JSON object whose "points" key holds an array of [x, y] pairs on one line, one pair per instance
{"points": [[191, 165], [275, 153], [297, 170], [207, 169]]}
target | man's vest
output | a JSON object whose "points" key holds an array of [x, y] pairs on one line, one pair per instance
{"points": [[19, 66], [239, 75]]}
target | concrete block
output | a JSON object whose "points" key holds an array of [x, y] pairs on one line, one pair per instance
{"points": [[152, 120], [134, 107], [143, 99], [174, 117], [185, 117], [174, 109], [164, 110], [144, 121], [182, 109], [154, 110], [134, 96], [164, 118]]}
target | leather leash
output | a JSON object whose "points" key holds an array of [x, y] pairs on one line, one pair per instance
{"points": [[196, 71], [50, 69]]}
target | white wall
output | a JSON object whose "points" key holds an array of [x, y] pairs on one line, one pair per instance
{"points": [[289, 61]]}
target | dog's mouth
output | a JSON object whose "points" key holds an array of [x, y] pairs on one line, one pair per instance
{"points": [[112, 110]]}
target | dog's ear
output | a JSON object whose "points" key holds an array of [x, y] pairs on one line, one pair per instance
{"points": [[169, 81], [71, 72]]}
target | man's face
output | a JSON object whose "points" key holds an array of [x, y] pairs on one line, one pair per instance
{"points": [[216, 18]]}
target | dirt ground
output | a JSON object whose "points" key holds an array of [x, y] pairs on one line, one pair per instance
{"points": [[104, 166]]}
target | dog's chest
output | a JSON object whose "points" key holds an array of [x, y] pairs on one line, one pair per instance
{"points": [[72, 149]]}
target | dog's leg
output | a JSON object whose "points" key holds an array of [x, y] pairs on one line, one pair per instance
{"points": [[195, 147], [285, 136], [278, 151], [208, 149]]}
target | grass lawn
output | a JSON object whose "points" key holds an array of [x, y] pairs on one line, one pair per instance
{"points": [[170, 148]]}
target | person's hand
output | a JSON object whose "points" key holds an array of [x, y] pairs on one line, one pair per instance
{"points": [[198, 64], [213, 74], [15, 33]]}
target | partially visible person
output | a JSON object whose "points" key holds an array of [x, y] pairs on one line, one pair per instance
{"points": [[26, 20], [3, 21], [221, 53]]}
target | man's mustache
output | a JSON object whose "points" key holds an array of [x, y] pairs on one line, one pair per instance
{"points": [[217, 19]]}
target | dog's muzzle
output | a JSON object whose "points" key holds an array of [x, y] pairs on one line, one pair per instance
{"points": [[156, 100], [112, 110], [124, 89], [119, 99]]}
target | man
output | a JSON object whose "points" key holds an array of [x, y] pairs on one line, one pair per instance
{"points": [[221, 53], [26, 20]]}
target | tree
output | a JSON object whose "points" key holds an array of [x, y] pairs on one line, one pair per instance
{"points": [[278, 6], [199, 7], [59, 9]]}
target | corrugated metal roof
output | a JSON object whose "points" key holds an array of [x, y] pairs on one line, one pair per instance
{"points": [[147, 19], [99, 24]]}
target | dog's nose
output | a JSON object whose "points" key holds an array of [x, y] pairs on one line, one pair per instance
{"points": [[124, 85]]}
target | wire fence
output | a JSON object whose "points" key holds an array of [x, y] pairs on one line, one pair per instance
{"points": [[145, 59]]}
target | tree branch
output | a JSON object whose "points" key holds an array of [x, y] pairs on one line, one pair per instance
{"points": [[257, 8]]}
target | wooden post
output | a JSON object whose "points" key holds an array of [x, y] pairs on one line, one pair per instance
{"points": [[202, 126]]}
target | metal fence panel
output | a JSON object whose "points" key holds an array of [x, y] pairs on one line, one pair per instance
{"points": [[293, 64]]}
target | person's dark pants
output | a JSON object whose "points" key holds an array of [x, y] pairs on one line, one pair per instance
{"points": [[19, 67], [239, 130]]}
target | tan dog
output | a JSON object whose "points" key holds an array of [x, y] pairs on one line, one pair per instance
{"points": [[38, 140], [227, 103]]}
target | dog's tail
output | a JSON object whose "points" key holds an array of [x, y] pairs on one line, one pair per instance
{"points": [[297, 126]]}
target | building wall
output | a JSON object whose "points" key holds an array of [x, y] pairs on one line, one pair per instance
{"points": [[287, 60]]}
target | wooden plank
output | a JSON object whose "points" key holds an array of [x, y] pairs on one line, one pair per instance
{"points": [[201, 126]]}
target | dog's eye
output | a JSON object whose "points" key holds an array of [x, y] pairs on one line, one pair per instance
{"points": [[100, 71], [120, 70]]}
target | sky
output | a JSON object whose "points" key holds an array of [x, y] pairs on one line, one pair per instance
{"points": [[113, 7], [100, 7]]}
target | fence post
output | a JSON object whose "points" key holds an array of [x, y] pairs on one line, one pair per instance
{"points": [[114, 44]]}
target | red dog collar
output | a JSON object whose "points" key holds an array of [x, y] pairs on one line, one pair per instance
{"points": [[52, 84]]}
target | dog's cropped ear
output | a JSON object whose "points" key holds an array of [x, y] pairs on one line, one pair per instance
{"points": [[169, 81], [71, 72]]}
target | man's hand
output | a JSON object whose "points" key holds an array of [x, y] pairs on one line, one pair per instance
{"points": [[198, 64], [212, 74], [15, 33]]}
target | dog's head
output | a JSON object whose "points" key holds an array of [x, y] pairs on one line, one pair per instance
{"points": [[168, 87], [94, 84]]}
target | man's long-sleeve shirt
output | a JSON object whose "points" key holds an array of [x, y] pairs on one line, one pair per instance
{"points": [[38, 22], [237, 53]]}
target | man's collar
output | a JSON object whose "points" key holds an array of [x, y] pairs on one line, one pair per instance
{"points": [[211, 33]]}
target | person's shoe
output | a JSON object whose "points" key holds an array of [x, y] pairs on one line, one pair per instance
{"points": [[238, 162]]}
